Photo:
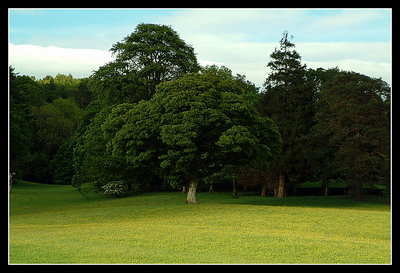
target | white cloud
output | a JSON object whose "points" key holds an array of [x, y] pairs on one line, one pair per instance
{"points": [[331, 51], [246, 58], [40, 61], [369, 58], [243, 39], [372, 69], [251, 59], [231, 20], [206, 62], [345, 19]]}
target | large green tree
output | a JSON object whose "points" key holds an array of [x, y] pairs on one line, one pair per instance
{"points": [[197, 128], [150, 55], [289, 101], [354, 114], [319, 154]]}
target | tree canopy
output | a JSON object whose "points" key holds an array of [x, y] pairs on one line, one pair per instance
{"points": [[150, 55], [196, 128], [43, 115], [353, 117]]}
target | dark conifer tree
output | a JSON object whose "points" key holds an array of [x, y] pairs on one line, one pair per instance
{"points": [[289, 101], [354, 114]]}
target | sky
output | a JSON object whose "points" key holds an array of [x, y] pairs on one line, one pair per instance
{"points": [[77, 41]]}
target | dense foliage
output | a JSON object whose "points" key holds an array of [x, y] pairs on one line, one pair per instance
{"points": [[201, 128], [354, 117], [44, 116], [156, 120], [150, 55], [289, 100]]}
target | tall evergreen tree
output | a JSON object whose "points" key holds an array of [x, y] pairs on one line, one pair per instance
{"points": [[289, 101]]}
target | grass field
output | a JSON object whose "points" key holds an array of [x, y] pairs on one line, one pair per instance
{"points": [[54, 224]]}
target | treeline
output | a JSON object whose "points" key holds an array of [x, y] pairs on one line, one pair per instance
{"points": [[155, 119], [43, 116]]}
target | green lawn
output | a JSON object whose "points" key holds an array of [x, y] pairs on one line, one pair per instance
{"points": [[54, 224]]}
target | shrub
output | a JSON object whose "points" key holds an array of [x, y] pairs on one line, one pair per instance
{"points": [[115, 188]]}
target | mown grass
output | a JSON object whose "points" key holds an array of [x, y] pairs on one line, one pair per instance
{"points": [[54, 224]]}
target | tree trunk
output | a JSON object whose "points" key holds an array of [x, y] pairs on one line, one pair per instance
{"points": [[10, 185], [325, 187], [183, 189], [294, 189], [10, 180], [281, 186], [358, 189], [191, 193], [263, 190], [211, 188], [234, 190]]}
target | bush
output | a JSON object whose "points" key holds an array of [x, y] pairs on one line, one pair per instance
{"points": [[115, 188]]}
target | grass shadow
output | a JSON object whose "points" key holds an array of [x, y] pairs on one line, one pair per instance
{"points": [[330, 201]]}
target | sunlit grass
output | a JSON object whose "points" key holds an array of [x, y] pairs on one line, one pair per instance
{"points": [[54, 224]]}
